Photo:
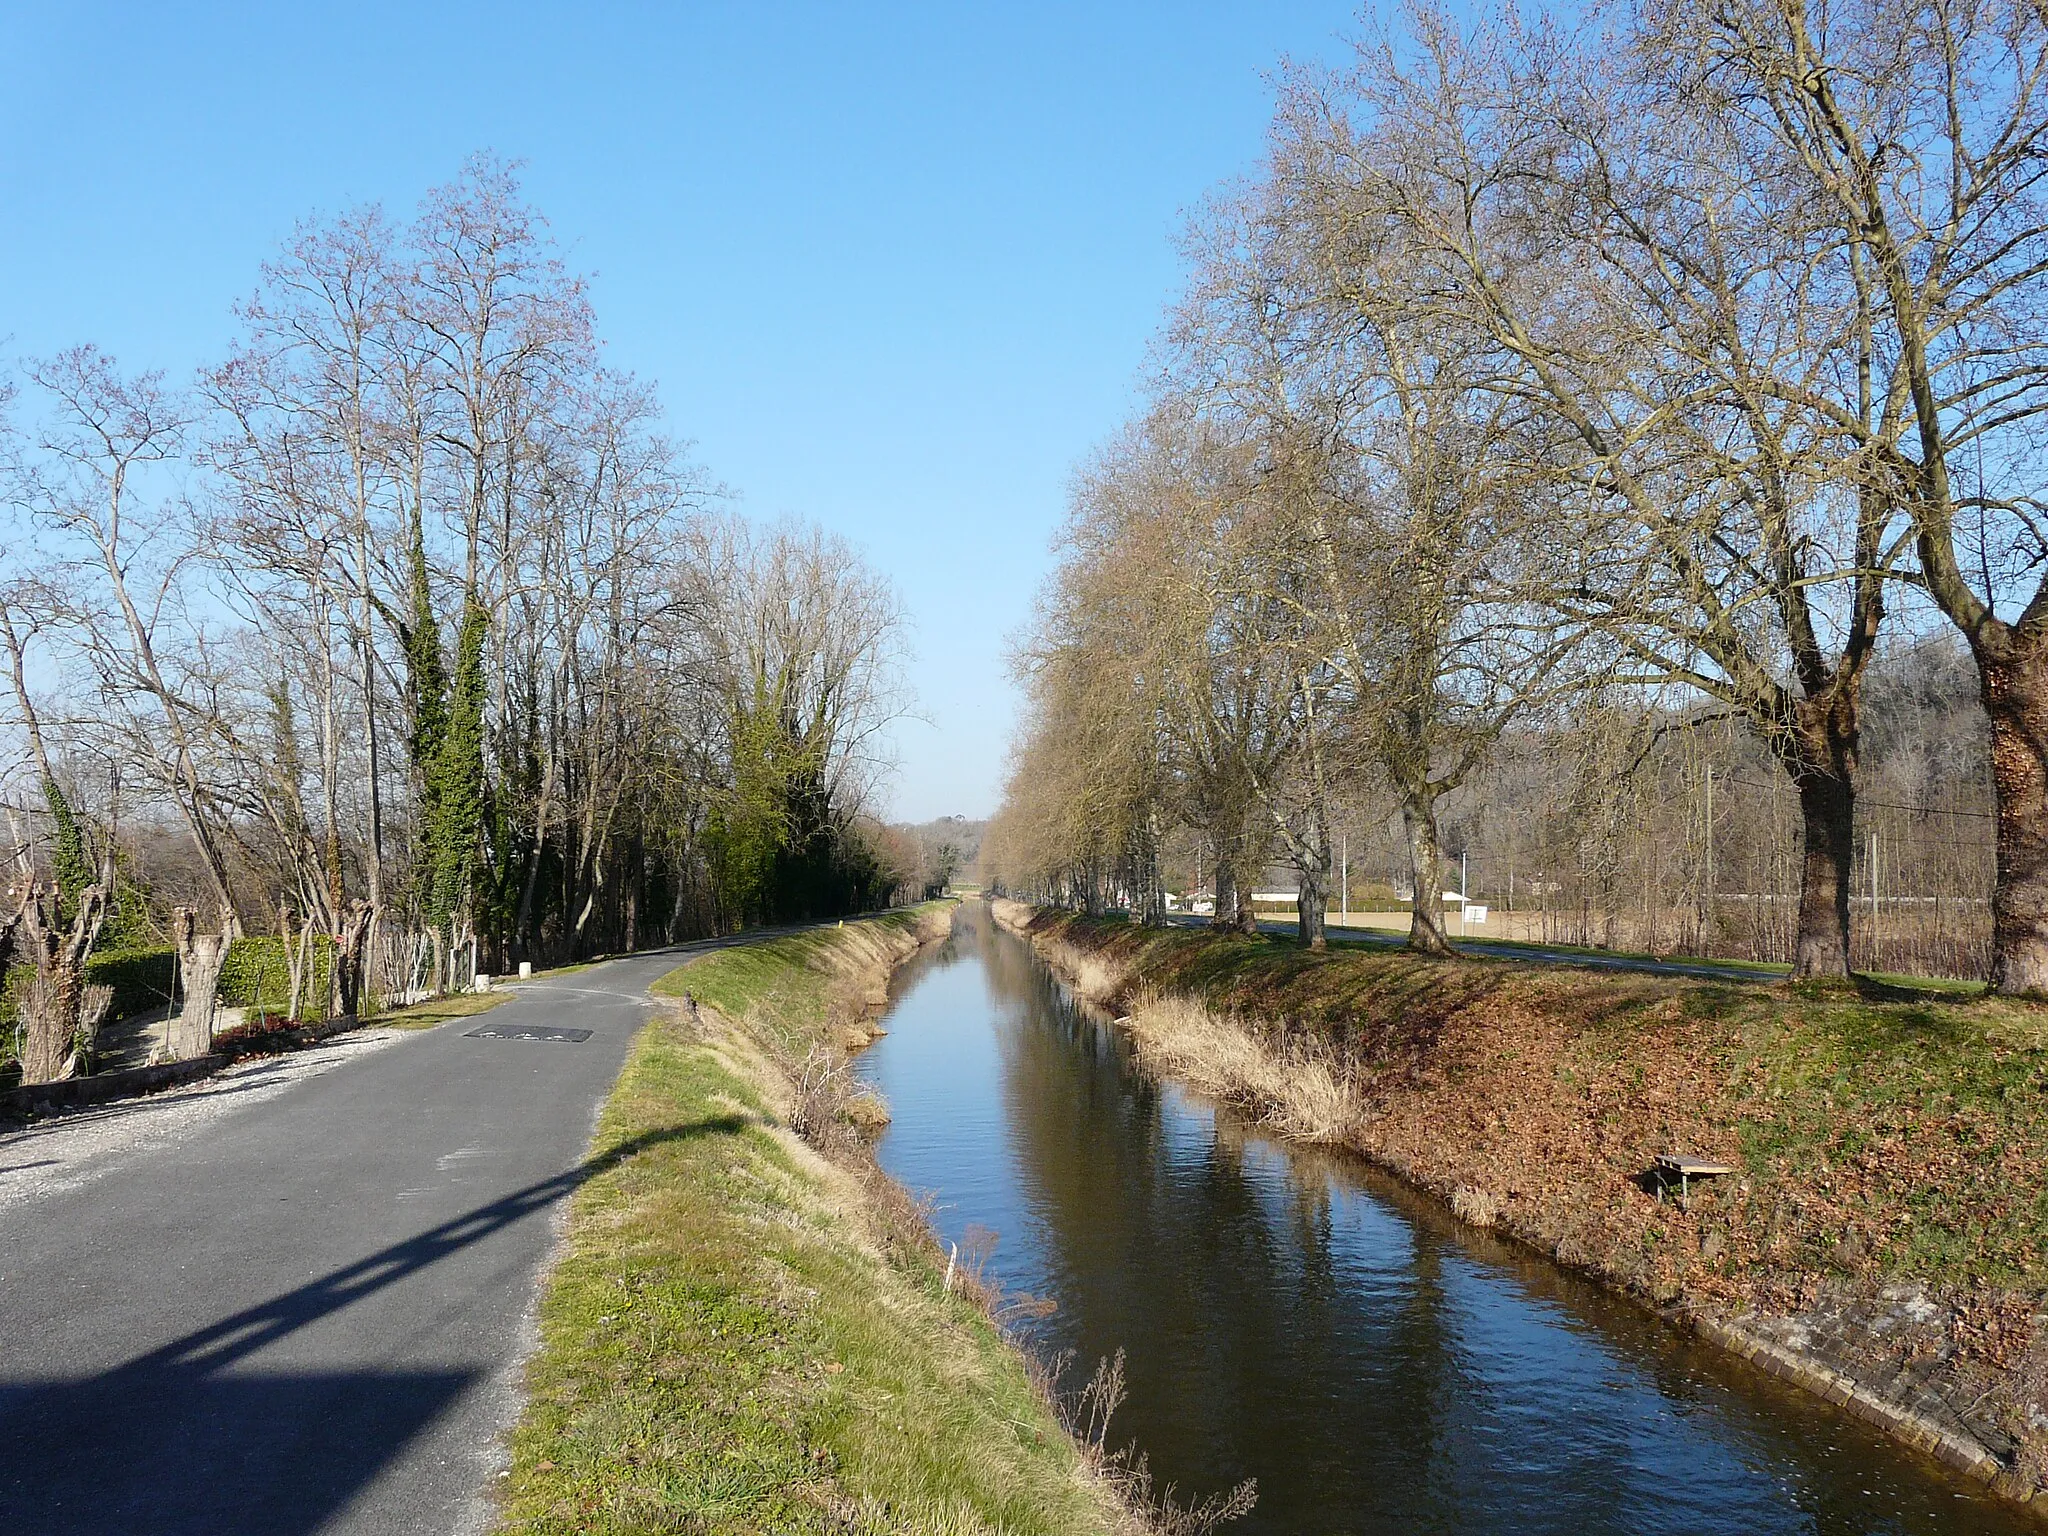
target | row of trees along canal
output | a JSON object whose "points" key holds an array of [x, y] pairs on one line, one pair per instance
{"points": [[406, 634], [1614, 447]]}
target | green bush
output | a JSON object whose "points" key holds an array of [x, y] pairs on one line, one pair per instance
{"points": [[142, 979], [257, 974]]}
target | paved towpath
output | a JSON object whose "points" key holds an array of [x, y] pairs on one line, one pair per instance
{"points": [[1387, 938], [295, 1299]]}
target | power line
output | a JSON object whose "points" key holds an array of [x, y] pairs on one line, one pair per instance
{"points": [[1884, 805]]}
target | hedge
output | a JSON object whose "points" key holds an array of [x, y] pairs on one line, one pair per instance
{"points": [[265, 962], [143, 979]]}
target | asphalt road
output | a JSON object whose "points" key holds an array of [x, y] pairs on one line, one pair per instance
{"points": [[296, 1299], [1536, 953]]}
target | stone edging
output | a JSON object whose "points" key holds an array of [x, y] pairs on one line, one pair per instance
{"points": [[1944, 1445], [75, 1092]]}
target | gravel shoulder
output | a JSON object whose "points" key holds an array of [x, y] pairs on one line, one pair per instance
{"points": [[64, 1153]]}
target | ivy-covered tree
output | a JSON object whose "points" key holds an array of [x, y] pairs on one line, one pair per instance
{"points": [[454, 801]]}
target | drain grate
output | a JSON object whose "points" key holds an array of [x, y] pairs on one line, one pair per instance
{"points": [[527, 1032]]}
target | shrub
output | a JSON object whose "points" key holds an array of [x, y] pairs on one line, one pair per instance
{"points": [[143, 979], [257, 974]]}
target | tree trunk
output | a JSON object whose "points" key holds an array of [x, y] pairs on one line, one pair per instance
{"points": [[1827, 809], [9, 926], [1314, 906], [635, 878], [1234, 913], [299, 949], [347, 993], [1246, 917], [94, 1003], [51, 1004], [1425, 864], [2015, 691], [200, 958], [46, 1029], [1155, 880], [1312, 882], [1819, 753]]}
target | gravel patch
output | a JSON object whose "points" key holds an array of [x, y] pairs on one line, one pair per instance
{"points": [[70, 1150]]}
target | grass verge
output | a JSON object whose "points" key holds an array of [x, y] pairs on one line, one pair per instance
{"points": [[439, 1010], [739, 1336]]}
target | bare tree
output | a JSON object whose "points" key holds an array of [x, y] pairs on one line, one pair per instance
{"points": [[1632, 298], [1916, 136], [130, 560]]}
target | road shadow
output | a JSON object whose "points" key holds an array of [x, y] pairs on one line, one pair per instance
{"points": [[179, 1440], [181, 1454]]}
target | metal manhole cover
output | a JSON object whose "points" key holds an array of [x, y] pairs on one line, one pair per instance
{"points": [[527, 1032]]}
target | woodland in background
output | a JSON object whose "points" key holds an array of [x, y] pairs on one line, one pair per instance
{"points": [[406, 635], [1612, 835], [1604, 452]]}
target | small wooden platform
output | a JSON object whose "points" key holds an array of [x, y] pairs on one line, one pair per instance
{"points": [[1689, 1168]]}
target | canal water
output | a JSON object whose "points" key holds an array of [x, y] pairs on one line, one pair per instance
{"points": [[1299, 1319]]}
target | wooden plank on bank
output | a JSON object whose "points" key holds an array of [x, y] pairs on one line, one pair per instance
{"points": [[1693, 1167]]}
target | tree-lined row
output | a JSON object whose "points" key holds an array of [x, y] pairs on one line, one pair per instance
{"points": [[1647, 363], [407, 626]]}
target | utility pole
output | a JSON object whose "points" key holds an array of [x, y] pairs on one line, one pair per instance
{"points": [[1713, 889], [1344, 877], [1464, 887], [1707, 893]]}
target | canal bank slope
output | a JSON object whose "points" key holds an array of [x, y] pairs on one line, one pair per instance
{"points": [[1881, 1244], [750, 1330]]}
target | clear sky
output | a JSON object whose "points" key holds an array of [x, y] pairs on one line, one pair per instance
{"points": [[894, 267]]}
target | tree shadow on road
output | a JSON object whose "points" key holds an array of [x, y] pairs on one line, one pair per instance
{"points": [[197, 1436]]}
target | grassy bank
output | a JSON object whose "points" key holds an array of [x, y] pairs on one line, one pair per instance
{"points": [[744, 1335], [1889, 1216]]}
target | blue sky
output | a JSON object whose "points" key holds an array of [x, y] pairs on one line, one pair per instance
{"points": [[894, 267]]}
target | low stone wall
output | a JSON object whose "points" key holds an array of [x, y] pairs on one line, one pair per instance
{"points": [[77, 1092], [1828, 1352], [22, 1104]]}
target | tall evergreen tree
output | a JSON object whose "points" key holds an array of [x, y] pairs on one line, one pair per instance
{"points": [[70, 859], [455, 781]]}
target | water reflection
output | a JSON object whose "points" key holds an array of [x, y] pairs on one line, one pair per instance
{"points": [[1294, 1318]]}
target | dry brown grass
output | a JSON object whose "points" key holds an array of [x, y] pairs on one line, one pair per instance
{"points": [[1291, 1087]]}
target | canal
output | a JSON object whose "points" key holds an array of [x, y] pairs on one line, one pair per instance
{"points": [[1298, 1319]]}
